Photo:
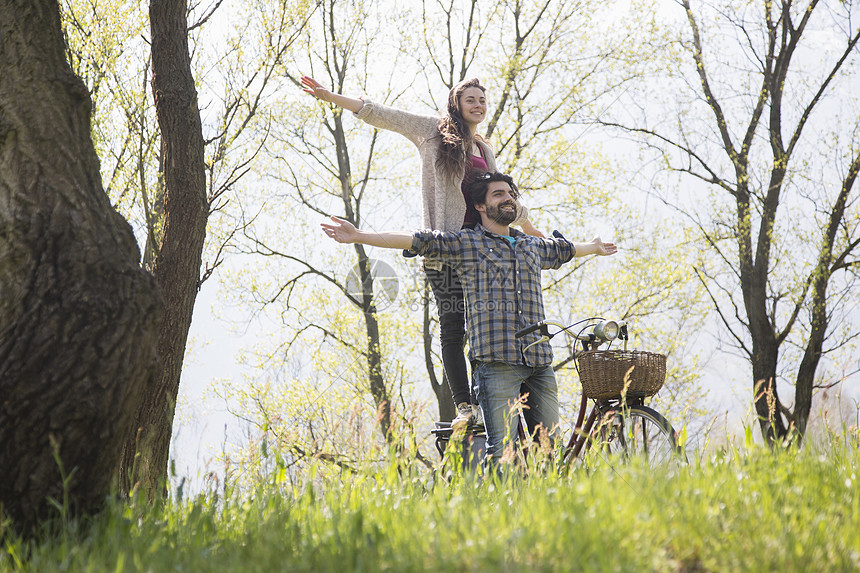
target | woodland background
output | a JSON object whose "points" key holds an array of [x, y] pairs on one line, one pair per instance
{"points": [[716, 143], [599, 112]]}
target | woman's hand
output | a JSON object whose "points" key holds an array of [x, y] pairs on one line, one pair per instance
{"points": [[316, 89]]}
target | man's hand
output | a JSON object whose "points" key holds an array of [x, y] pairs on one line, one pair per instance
{"points": [[342, 231], [594, 247], [316, 89], [601, 248]]}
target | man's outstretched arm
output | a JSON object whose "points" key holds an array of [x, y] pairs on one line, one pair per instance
{"points": [[343, 231], [595, 247], [558, 250]]}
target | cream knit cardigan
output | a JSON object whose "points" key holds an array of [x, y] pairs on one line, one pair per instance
{"points": [[444, 207]]}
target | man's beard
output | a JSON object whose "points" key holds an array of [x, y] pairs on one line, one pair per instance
{"points": [[502, 216]]}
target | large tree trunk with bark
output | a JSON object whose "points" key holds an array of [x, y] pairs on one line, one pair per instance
{"points": [[177, 263], [765, 394], [78, 316]]}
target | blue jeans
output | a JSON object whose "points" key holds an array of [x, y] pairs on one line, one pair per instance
{"points": [[499, 385]]}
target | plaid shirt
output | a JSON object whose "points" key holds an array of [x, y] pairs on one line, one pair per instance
{"points": [[501, 284]]}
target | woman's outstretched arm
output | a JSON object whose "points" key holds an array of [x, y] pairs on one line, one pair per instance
{"points": [[317, 90]]}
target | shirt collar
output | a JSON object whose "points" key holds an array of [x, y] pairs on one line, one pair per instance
{"points": [[514, 232]]}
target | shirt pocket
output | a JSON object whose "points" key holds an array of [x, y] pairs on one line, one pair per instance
{"points": [[496, 268], [531, 259]]}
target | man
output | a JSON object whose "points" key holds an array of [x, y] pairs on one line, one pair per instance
{"points": [[500, 272]]}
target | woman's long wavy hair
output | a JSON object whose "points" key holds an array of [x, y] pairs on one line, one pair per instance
{"points": [[456, 136]]}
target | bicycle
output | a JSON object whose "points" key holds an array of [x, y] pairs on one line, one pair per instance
{"points": [[619, 425]]}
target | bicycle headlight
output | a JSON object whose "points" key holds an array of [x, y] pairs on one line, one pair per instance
{"points": [[606, 330]]}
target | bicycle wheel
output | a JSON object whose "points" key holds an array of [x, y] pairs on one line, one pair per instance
{"points": [[639, 431]]}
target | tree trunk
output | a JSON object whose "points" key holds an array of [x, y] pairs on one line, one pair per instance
{"points": [[374, 355], [177, 263], [765, 347], [812, 354], [820, 317], [766, 396], [375, 376], [78, 316], [764, 358]]}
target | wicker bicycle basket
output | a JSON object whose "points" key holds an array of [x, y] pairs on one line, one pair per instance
{"points": [[604, 373]]}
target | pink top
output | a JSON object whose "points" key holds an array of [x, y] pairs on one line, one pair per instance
{"points": [[477, 164]]}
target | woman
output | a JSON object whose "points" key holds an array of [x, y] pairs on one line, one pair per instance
{"points": [[451, 153]]}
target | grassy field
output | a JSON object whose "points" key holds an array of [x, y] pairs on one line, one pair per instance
{"points": [[748, 511]]}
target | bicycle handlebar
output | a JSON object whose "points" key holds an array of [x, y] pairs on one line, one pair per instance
{"points": [[530, 329], [597, 331]]}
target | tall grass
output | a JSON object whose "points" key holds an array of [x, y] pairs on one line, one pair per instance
{"points": [[753, 510]]}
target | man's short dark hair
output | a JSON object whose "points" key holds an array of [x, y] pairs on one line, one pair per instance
{"points": [[477, 188]]}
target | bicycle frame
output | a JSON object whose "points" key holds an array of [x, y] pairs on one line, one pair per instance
{"points": [[623, 424], [596, 331], [579, 440], [612, 411]]}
